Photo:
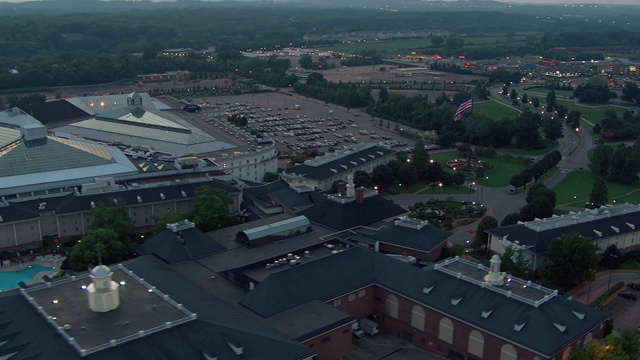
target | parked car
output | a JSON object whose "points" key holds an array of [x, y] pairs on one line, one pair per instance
{"points": [[629, 295]]}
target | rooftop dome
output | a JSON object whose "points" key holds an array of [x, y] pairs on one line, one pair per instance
{"points": [[100, 272]]}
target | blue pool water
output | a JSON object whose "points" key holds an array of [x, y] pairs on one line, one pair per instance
{"points": [[10, 279]]}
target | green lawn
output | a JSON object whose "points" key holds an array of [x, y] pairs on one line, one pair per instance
{"points": [[591, 113], [499, 175], [495, 110], [578, 184], [425, 47], [541, 92], [389, 46]]}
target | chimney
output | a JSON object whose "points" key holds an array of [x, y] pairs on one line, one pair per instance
{"points": [[360, 195], [342, 188]]}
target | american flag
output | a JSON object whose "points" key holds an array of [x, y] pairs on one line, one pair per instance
{"points": [[463, 107]]}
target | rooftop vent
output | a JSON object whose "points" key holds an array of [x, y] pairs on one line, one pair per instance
{"points": [[486, 314]]}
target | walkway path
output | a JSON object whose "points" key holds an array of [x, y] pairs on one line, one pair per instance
{"points": [[589, 291]]}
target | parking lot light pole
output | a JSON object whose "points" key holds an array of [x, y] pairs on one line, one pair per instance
{"points": [[592, 273], [611, 256]]}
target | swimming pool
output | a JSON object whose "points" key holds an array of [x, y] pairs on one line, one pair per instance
{"points": [[10, 279]]}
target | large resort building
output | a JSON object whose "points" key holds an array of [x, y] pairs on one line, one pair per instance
{"points": [[289, 285], [617, 225]]}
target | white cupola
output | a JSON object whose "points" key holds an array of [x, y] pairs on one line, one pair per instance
{"points": [[494, 277], [103, 292], [350, 186]]}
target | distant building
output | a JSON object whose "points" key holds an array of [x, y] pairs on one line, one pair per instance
{"points": [[322, 171], [617, 225], [25, 220]]}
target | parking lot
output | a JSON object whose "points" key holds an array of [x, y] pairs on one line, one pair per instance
{"points": [[297, 124], [625, 311]]}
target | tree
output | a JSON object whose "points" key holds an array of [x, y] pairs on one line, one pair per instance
{"points": [[599, 194], [112, 249], [113, 216], [541, 191], [517, 181], [361, 178], [630, 91], [526, 129], [551, 98], [536, 102], [465, 149], [420, 159], [383, 96], [482, 238], [161, 220], [305, 61], [513, 94], [210, 209], [545, 207], [270, 177], [532, 190], [434, 172], [458, 178], [515, 262], [611, 257], [524, 99], [529, 212], [552, 128], [511, 219], [407, 175], [572, 257], [526, 175], [436, 40], [382, 176], [626, 346], [596, 90], [601, 160]]}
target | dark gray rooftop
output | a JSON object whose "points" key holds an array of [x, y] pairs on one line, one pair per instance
{"points": [[331, 164], [423, 237], [545, 329], [600, 223], [175, 245], [143, 310], [342, 216], [309, 320]]}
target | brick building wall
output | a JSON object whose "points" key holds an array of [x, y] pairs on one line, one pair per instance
{"points": [[436, 332], [332, 345]]}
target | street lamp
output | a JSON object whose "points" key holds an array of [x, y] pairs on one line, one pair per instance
{"points": [[575, 197], [612, 257], [482, 190], [592, 274]]}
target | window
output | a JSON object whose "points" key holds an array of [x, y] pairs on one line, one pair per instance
{"points": [[391, 306], [345, 331], [337, 303], [352, 297], [508, 352], [417, 317], [362, 293], [445, 331], [476, 343], [588, 338], [326, 339]]}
